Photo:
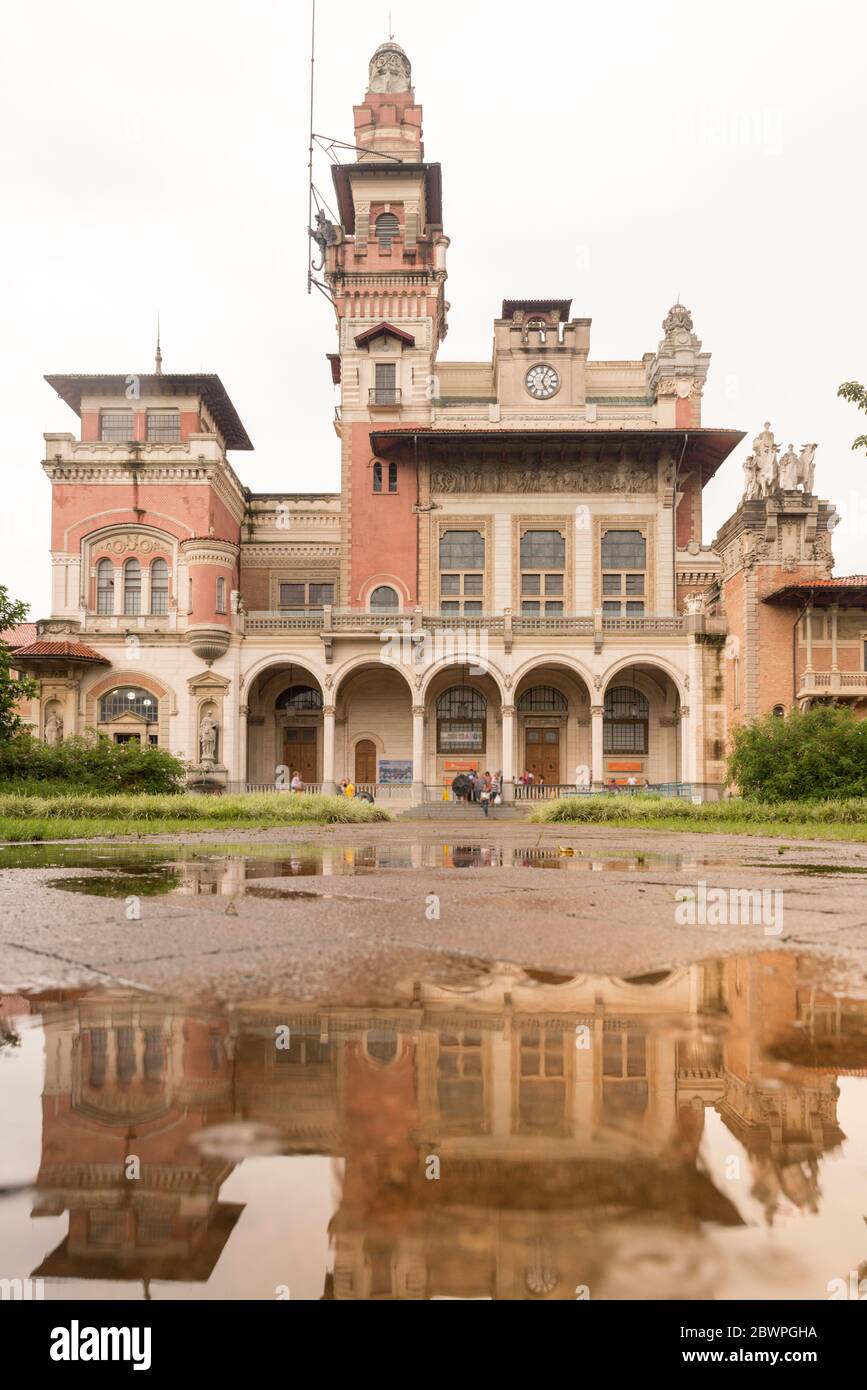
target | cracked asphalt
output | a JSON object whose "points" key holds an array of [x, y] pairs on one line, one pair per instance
{"points": [[356, 932]]}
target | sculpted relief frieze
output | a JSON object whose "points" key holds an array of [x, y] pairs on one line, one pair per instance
{"points": [[129, 544], [629, 477]]}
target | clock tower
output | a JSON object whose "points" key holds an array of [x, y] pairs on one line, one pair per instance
{"points": [[385, 266]]}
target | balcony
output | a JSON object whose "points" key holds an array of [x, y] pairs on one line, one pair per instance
{"points": [[358, 620], [846, 685], [383, 397]]}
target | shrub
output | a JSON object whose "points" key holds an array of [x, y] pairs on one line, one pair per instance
{"points": [[804, 757], [261, 808], [89, 765]]}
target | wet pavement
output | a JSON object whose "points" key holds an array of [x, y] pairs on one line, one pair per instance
{"points": [[697, 1132], [388, 1063]]}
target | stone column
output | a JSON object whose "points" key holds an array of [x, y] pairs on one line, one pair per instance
{"points": [[508, 753], [834, 655], [418, 769], [808, 619], [328, 784], [118, 591], [687, 763], [597, 757], [241, 756]]}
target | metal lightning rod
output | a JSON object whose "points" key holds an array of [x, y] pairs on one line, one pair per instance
{"points": [[310, 148]]}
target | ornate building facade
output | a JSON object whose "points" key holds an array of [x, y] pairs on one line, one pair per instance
{"points": [[513, 575]]}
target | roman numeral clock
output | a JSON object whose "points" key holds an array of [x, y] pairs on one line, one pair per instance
{"points": [[542, 381]]}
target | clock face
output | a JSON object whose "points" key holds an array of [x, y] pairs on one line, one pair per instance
{"points": [[542, 382]]}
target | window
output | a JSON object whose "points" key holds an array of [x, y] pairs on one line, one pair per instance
{"points": [[542, 699], [387, 228], [461, 720], [299, 699], [298, 594], [384, 599], [164, 426], [377, 477], [159, 587], [128, 699], [543, 573], [462, 572], [624, 564], [392, 477], [385, 392], [625, 718], [779, 712], [105, 587], [116, 426], [220, 604], [132, 587]]}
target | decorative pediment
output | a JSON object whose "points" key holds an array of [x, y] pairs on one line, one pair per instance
{"points": [[208, 683], [130, 719], [384, 330]]}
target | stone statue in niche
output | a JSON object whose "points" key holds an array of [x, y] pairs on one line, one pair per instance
{"points": [[389, 70], [208, 738], [53, 729]]}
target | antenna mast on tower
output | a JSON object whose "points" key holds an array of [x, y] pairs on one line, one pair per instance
{"points": [[310, 148]]}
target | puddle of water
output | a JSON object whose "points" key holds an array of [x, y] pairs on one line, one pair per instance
{"points": [[118, 871], [693, 1133]]}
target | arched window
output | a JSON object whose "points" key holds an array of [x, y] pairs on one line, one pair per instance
{"points": [[300, 699], [461, 720], [387, 228], [128, 699], [779, 711], [159, 587], [377, 477], [221, 596], [625, 718], [542, 699], [392, 477], [384, 599], [105, 587], [132, 587]]}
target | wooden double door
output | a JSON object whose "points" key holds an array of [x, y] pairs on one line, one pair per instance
{"points": [[542, 754], [300, 752]]}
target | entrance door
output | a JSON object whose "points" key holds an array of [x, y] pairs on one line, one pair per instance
{"points": [[542, 755], [365, 761], [299, 753]]}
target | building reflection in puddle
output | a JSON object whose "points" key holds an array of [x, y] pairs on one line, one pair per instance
{"points": [[565, 1120]]}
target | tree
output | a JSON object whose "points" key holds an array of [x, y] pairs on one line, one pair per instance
{"points": [[13, 612], [855, 394], [804, 757]]}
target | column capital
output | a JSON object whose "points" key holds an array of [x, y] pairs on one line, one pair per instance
{"points": [[684, 711], [597, 711], [507, 711], [328, 711], [418, 711]]}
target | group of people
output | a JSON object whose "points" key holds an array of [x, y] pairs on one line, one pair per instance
{"points": [[486, 788]]}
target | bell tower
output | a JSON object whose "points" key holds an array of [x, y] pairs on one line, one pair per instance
{"points": [[385, 266]]}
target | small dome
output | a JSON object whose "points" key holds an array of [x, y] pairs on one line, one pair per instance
{"points": [[390, 69]]}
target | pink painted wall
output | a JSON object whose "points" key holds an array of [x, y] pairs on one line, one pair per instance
{"points": [[384, 527]]}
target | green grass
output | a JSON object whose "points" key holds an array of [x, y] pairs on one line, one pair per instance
{"points": [[832, 820], [81, 815]]}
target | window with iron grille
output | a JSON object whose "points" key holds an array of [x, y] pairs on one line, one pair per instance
{"points": [[624, 578], [625, 719], [164, 426], [159, 587], [132, 587], [392, 477], [128, 699], [542, 699], [299, 698], [116, 426], [384, 599], [386, 383], [300, 595], [220, 601], [105, 587], [461, 720], [543, 573], [462, 572], [377, 477]]}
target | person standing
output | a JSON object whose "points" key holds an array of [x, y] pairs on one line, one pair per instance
{"points": [[485, 792], [297, 783]]}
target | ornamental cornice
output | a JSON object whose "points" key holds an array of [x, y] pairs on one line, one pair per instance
{"points": [[265, 555], [208, 551]]}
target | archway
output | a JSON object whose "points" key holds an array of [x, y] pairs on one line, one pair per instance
{"points": [[642, 724], [373, 737], [285, 725], [552, 730]]}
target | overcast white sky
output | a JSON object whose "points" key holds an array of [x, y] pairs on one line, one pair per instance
{"points": [[153, 157]]}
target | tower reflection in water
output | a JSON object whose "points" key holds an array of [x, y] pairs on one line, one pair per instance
{"points": [[518, 1138]]}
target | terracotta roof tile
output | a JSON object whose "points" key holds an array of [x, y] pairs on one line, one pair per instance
{"points": [[65, 650]]}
